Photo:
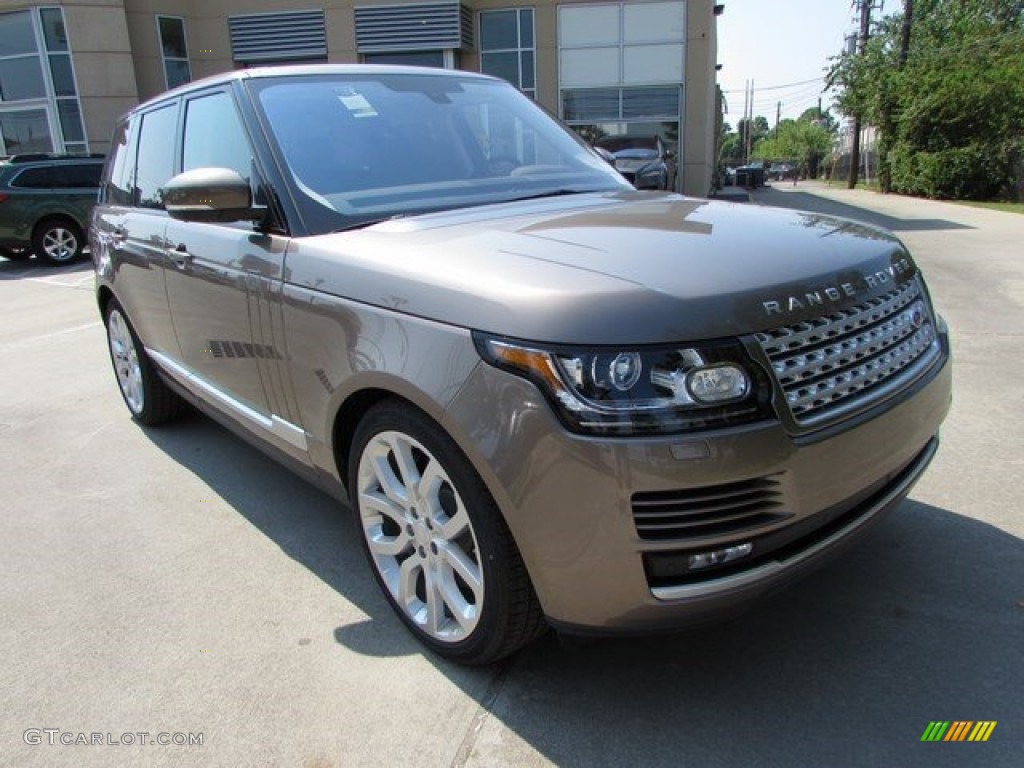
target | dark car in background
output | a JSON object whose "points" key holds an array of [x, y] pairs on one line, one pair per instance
{"points": [[644, 161], [45, 201]]}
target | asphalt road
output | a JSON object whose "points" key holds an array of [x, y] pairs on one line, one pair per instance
{"points": [[176, 582]]}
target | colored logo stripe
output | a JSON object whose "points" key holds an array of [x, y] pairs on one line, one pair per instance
{"points": [[982, 731], [958, 730]]}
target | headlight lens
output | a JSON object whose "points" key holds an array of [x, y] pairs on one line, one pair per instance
{"points": [[643, 390]]}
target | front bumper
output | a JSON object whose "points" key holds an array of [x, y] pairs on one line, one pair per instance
{"points": [[571, 501]]}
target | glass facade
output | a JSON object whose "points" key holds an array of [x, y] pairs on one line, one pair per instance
{"points": [[507, 47], [621, 69], [39, 106]]}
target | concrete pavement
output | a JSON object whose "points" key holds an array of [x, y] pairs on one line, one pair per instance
{"points": [[177, 582]]}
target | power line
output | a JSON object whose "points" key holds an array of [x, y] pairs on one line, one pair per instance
{"points": [[779, 87]]}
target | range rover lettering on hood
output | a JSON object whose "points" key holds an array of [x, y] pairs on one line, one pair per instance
{"points": [[833, 294]]}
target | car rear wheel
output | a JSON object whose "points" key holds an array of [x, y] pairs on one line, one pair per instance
{"points": [[150, 401], [438, 545], [58, 241]]}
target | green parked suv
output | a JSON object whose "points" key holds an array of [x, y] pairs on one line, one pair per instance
{"points": [[45, 202]]}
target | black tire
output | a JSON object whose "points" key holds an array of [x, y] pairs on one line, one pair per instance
{"points": [[15, 254], [415, 538], [149, 400], [58, 241]]}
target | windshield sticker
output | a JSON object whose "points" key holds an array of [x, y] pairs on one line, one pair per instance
{"points": [[356, 103]]}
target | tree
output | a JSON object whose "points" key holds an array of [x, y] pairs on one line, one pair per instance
{"points": [[804, 141], [734, 144], [949, 103]]}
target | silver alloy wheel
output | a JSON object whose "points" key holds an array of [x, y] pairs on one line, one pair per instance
{"points": [[60, 244], [126, 361], [420, 536]]}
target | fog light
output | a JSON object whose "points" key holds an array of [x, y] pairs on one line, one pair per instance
{"points": [[718, 383], [719, 556]]}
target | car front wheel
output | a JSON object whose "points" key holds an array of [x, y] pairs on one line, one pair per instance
{"points": [[438, 545]]}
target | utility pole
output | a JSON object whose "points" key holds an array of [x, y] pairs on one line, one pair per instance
{"points": [[862, 41], [778, 118], [908, 22], [749, 138]]}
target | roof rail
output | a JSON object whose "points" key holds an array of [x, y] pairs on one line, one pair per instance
{"points": [[32, 157]]}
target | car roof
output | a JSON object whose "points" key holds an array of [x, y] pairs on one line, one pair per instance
{"points": [[300, 70]]}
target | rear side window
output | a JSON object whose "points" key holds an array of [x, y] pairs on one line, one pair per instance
{"points": [[40, 178], [156, 155], [118, 187], [62, 176]]}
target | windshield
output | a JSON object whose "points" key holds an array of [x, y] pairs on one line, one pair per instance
{"points": [[364, 147]]}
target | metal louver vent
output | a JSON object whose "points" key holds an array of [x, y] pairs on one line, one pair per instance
{"points": [[413, 27], [288, 35], [710, 511]]}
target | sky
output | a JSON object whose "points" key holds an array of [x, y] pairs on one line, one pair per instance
{"points": [[784, 46]]}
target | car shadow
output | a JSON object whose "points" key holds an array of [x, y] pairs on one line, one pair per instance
{"points": [[923, 620], [808, 201], [16, 269]]}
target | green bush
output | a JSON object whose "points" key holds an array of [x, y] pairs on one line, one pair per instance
{"points": [[972, 172]]}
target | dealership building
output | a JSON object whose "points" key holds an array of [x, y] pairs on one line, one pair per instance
{"points": [[637, 67]]}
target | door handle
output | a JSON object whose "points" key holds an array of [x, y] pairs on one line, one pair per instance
{"points": [[180, 256]]}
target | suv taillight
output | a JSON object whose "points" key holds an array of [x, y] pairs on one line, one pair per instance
{"points": [[4, 197]]}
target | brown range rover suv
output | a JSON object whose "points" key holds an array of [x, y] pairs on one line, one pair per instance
{"points": [[549, 399]]}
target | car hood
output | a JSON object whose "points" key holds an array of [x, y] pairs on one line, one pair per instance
{"points": [[608, 268]]}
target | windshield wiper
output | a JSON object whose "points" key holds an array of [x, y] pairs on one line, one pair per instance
{"points": [[553, 193]]}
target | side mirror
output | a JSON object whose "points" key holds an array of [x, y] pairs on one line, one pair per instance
{"points": [[212, 195]]}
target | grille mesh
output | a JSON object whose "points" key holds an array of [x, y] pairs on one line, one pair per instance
{"points": [[850, 358], [711, 511]]}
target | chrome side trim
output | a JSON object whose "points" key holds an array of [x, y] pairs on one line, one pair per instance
{"points": [[275, 425], [770, 571]]}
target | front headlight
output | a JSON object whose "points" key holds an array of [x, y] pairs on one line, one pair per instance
{"points": [[645, 390]]}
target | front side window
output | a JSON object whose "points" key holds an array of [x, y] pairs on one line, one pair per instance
{"points": [[84, 175], [156, 156], [371, 146], [214, 137], [174, 48], [507, 49]]}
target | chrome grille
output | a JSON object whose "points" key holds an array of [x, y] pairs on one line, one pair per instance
{"points": [[849, 359], [710, 511]]}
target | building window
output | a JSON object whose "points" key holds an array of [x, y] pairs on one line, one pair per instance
{"points": [[39, 107], [174, 49], [621, 69], [410, 58], [507, 47]]}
